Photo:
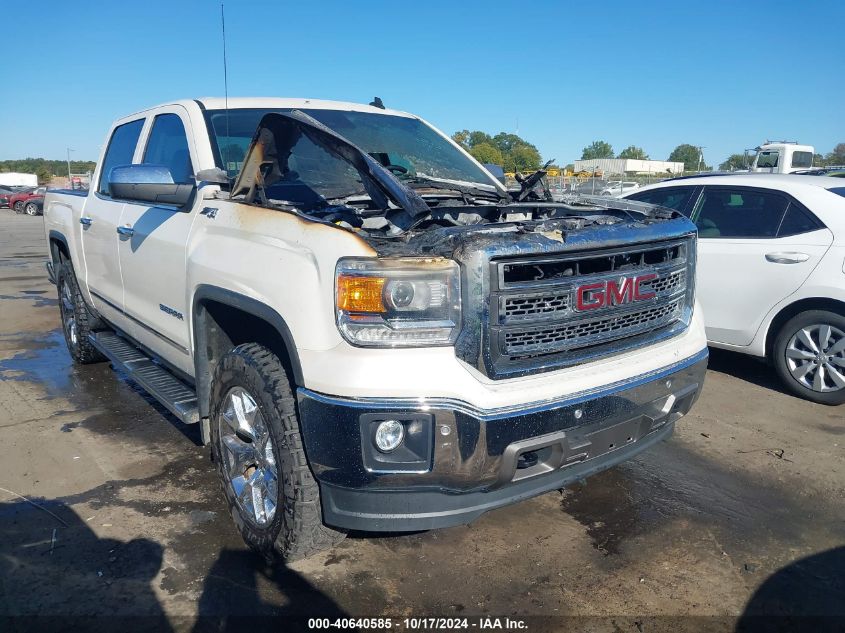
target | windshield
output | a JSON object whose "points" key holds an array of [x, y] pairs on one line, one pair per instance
{"points": [[407, 146], [767, 159]]}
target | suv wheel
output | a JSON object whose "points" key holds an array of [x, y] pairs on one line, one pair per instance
{"points": [[809, 356], [257, 447], [77, 320]]}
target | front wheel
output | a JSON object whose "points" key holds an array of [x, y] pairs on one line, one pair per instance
{"points": [[257, 447], [809, 356], [18, 206]]}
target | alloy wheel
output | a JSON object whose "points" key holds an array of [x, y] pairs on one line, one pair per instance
{"points": [[68, 314], [249, 460], [815, 356]]}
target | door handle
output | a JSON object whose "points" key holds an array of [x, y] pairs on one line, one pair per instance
{"points": [[86, 221], [787, 258], [126, 230]]}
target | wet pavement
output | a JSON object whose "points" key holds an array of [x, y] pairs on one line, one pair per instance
{"points": [[110, 507]]}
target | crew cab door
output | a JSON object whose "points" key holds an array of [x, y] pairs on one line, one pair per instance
{"points": [[755, 248], [152, 250], [99, 222]]}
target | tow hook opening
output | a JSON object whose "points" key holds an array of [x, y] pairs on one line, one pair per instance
{"points": [[527, 460]]}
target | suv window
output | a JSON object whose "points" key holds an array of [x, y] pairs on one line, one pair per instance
{"points": [[168, 146], [120, 151], [672, 197], [723, 212]]}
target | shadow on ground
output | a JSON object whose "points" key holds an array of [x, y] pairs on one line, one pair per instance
{"points": [[807, 595], [746, 368], [56, 574]]}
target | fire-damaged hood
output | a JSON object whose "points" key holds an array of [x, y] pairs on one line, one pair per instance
{"points": [[435, 217]]}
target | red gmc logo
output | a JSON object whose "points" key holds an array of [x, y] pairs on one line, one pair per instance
{"points": [[614, 292]]}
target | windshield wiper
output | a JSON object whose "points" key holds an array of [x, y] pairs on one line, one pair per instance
{"points": [[469, 190]]}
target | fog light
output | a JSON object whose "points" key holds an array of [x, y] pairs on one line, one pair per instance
{"points": [[389, 435]]}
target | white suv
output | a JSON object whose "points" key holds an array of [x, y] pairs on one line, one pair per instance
{"points": [[771, 273]]}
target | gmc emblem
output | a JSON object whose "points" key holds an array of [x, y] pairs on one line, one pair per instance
{"points": [[613, 293]]}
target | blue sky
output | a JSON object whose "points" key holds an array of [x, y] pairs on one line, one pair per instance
{"points": [[725, 75]]}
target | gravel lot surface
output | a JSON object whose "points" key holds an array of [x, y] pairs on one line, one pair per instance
{"points": [[741, 512]]}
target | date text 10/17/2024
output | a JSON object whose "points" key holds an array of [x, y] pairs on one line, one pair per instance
{"points": [[419, 624]]}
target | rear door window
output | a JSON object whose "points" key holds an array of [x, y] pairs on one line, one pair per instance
{"points": [[798, 220], [168, 146], [673, 197], [120, 151], [739, 212]]}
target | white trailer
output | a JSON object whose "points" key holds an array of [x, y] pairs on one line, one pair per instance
{"points": [[16, 179]]}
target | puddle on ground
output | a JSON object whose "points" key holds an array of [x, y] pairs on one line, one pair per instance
{"points": [[45, 360], [669, 482]]}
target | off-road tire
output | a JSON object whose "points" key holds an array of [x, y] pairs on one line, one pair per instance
{"points": [[73, 305], [296, 530], [31, 208], [778, 354]]}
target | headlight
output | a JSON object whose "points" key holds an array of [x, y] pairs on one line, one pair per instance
{"points": [[401, 302]]}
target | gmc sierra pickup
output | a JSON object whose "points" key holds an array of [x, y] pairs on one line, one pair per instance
{"points": [[370, 330]]}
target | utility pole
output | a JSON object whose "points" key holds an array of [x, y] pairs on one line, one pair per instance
{"points": [[69, 181]]}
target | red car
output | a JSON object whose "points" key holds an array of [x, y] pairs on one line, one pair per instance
{"points": [[18, 201]]}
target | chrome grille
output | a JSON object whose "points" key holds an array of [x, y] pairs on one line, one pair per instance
{"points": [[520, 344], [539, 319]]}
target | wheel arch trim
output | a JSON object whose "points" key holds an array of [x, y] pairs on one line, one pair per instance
{"points": [[785, 313], [237, 301]]}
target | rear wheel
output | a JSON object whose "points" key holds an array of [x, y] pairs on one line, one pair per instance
{"points": [[77, 320], [31, 208], [257, 447], [809, 356]]}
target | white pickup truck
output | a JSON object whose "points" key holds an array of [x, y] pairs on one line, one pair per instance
{"points": [[370, 330]]}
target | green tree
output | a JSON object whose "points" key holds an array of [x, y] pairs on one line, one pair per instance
{"points": [[837, 156], [690, 156], [818, 160], [480, 138], [632, 151], [461, 138], [597, 149], [735, 162], [486, 153], [522, 158]]}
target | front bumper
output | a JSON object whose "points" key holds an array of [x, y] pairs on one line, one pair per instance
{"points": [[466, 461]]}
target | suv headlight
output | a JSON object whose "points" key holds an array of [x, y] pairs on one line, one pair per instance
{"points": [[398, 302]]}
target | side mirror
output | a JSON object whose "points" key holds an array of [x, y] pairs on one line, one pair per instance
{"points": [[148, 183]]}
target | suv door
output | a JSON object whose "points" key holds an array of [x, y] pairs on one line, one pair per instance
{"points": [[153, 249], [755, 248], [100, 220]]}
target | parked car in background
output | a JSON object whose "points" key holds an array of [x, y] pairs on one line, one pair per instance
{"points": [[835, 172], [618, 187], [18, 201], [33, 206], [5, 194], [771, 274]]}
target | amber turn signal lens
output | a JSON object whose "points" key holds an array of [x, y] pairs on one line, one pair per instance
{"points": [[360, 294]]}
